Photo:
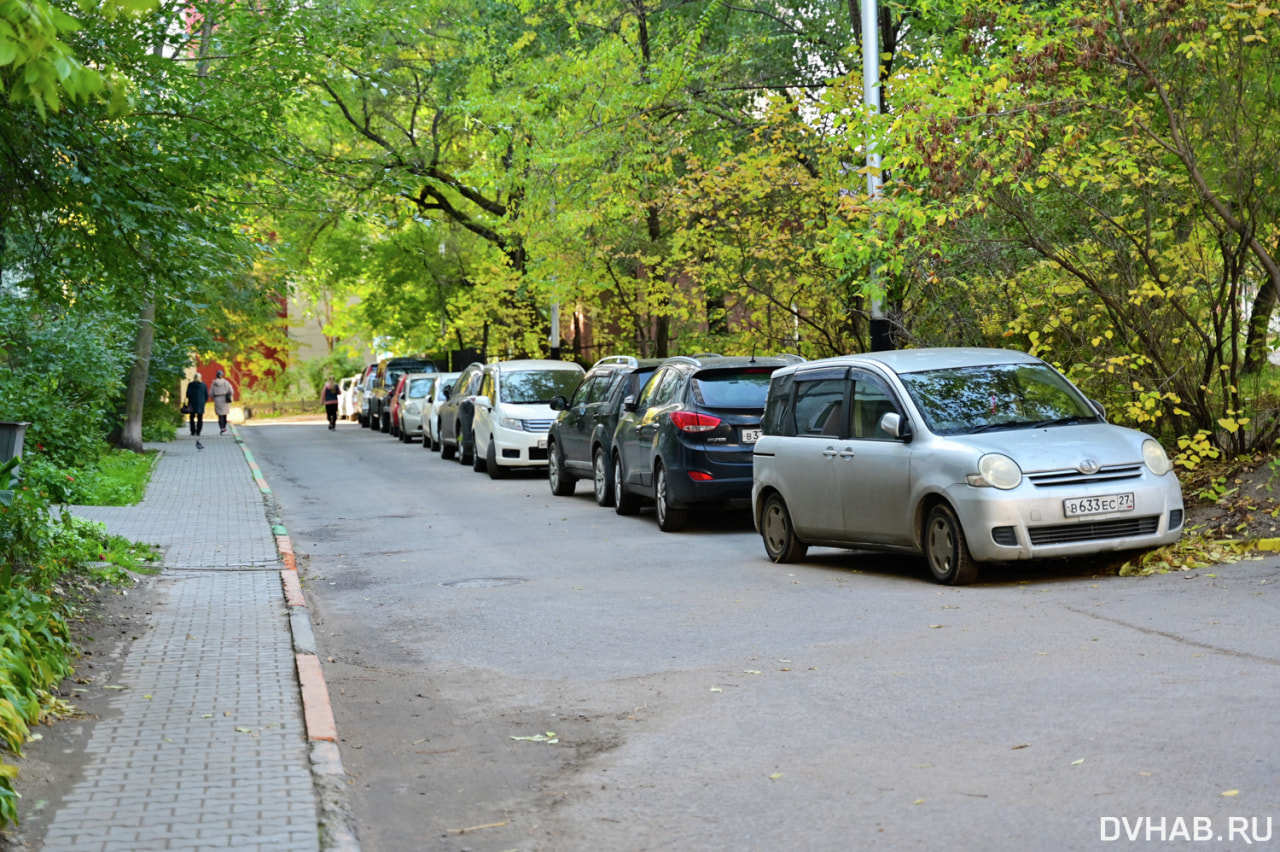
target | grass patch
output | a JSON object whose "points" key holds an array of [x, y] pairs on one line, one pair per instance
{"points": [[120, 480]]}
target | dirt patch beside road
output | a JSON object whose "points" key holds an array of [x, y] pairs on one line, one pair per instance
{"points": [[109, 620]]}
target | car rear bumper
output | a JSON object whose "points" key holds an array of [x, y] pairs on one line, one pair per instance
{"points": [[729, 483]]}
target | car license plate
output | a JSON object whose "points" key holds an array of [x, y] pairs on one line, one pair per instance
{"points": [[542, 443], [1078, 506], [750, 436]]}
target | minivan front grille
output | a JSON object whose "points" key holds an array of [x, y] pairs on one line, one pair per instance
{"points": [[1094, 531], [1071, 476]]}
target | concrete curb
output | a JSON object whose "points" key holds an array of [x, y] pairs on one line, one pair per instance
{"points": [[337, 820]]}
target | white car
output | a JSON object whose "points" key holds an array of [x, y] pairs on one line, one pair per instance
{"points": [[417, 387], [513, 412], [437, 393], [963, 455], [348, 406]]}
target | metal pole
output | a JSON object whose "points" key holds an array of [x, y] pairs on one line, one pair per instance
{"points": [[880, 338], [555, 331]]}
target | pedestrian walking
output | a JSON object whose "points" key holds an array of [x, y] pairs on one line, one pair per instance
{"points": [[221, 391], [330, 397], [197, 397]]}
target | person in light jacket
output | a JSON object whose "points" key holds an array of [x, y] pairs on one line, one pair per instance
{"points": [[221, 392]]}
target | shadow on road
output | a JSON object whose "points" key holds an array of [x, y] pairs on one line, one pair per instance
{"points": [[913, 568]]}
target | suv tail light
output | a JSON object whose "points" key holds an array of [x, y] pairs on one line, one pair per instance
{"points": [[689, 421]]}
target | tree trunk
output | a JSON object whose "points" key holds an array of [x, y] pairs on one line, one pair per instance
{"points": [[1255, 347], [131, 435]]}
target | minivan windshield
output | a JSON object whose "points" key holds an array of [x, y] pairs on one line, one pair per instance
{"points": [[968, 400], [419, 388], [532, 387]]}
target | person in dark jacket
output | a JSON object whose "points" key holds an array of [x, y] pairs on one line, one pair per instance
{"points": [[330, 400], [197, 396]]}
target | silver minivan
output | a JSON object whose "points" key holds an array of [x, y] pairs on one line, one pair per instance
{"points": [[962, 455]]}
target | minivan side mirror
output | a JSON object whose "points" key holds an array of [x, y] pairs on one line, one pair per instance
{"points": [[893, 424], [559, 403], [629, 403], [447, 392], [483, 402]]}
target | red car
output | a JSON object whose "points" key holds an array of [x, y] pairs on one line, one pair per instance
{"points": [[396, 396]]}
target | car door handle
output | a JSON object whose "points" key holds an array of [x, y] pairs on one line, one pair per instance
{"points": [[846, 453], [829, 452]]}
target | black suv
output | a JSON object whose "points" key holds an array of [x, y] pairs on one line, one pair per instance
{"points": [[456, 413], [580, 442], [686, 439], [384, 384]]}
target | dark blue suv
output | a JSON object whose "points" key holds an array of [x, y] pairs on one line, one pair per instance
{"points": [[580, 443], [685, 440]]}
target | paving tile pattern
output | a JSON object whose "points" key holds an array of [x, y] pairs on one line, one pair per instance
{"points": [[208, 748]]}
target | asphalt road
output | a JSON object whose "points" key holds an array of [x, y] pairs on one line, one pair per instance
{"points": [[516, 671]]}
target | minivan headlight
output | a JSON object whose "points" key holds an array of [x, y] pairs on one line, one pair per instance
{"points": [[1157, 460], [996, 471], [511, 423]]}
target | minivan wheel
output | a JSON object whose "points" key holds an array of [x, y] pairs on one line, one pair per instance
{"points": [[385, 424], [603, 481], [670, 519], [780, 540], [478, 463], [496, 471], [946, 550], [447, 451], [562, 484], [624, 502]]}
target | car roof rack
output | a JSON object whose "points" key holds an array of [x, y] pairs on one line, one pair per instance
{"points": [[626, 360]]}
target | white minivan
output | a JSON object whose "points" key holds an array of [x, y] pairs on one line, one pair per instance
{"points": [[513, 412]]}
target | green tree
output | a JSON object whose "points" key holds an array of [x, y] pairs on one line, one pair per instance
{"points": [[1099, 173]]}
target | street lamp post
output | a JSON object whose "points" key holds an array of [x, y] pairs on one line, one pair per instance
{"points": [[880, 338]]}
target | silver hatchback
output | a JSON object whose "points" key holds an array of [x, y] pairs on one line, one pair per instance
{"points": [[963, 455]]}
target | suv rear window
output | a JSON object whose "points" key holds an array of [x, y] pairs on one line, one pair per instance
{"points": [[735, 388]]}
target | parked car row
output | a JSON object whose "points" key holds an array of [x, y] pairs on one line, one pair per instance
{"points": [[962, 456]]}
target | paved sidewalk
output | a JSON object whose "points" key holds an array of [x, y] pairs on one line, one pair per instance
{"points": [[224, 739]]}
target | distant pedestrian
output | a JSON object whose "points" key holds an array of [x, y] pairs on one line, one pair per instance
{"points": [[330, 397], [197, 397], [221, 391]]}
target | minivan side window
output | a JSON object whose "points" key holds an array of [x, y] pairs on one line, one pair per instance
{"points": [[486, 387], [870, 402], [778, 419], [819, 407]]}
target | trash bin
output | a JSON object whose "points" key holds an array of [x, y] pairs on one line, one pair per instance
{"points": [[11, 435]]}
